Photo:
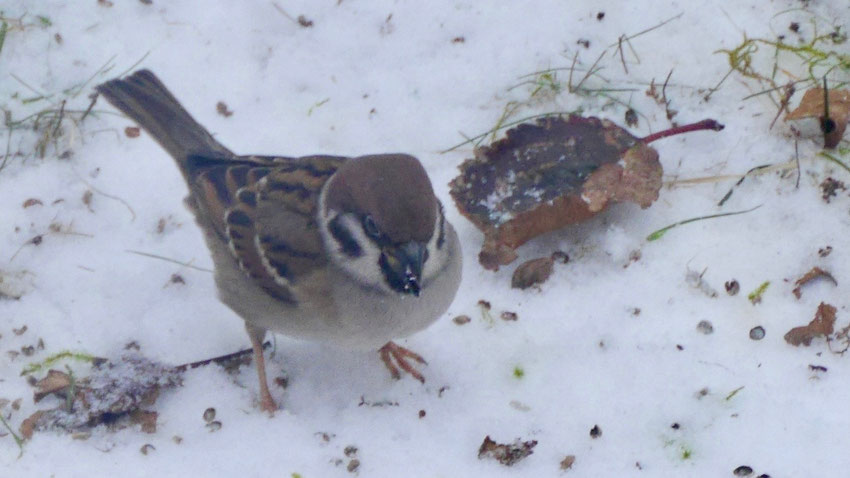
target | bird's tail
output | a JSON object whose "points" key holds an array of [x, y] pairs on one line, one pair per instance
{"points": [[143, 98]]}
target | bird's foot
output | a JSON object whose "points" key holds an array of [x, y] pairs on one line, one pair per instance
{"points": [[392, 355]]}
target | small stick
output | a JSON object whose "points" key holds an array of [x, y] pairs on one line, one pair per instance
{"points": [[220, 359], [797, 161], [622, 56], [698, 126]]}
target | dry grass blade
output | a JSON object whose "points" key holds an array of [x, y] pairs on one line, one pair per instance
{"points": [[168, 259], [4, 27], [740, 181], [503, 126], [660, 232]]}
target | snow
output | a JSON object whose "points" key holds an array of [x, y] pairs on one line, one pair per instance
{"points": [[385, 76]]}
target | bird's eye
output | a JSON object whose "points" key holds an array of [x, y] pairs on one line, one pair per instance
{"points": [[370, 228]]}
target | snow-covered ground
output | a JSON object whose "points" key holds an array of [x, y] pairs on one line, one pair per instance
{"points": [[611, 340]]}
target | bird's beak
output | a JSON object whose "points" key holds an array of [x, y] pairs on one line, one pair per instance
{"points": [[402, 266]]}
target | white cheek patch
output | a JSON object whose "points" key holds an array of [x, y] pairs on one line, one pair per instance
{"points": [[437, 256], [363, 267]]}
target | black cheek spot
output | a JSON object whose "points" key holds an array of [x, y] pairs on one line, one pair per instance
{"points": [[441, 234], [343, 237], [392, 277]]}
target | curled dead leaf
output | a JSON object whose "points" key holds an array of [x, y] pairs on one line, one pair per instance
{"points": [[54, 382], [813, 106], [557, 171], [28, 426], [820, 326], [814, 273]]}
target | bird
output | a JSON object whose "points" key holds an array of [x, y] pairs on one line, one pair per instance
{"points": [[353, 252]]}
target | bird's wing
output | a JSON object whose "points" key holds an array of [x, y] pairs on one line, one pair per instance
{"points": [[264, 208]]}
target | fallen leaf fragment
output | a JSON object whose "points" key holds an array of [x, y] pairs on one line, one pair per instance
{"points": [[637, 180], [820, 326], [813, 106], [115, 389], [54, 382], [829, 188], [813, 274], [506, 454], [144, 418], [554, 172], [533, 272], [567, 462]]}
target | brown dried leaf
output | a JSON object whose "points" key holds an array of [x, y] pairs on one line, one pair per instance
{"points": [[813, 274], [812, 106], [145, 418], [820, 326], [115, 390], [531, 182], [54, 382], [552, 173], [567, 462], [533, 272], [506, 454], [28, 426], [638, 180], [32, 202]]}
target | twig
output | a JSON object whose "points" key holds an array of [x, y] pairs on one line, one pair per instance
{"points": [[797, 162], [698, 126], [670, 113], [783, 103], [219, 360], [622, 55], [94, 98]]}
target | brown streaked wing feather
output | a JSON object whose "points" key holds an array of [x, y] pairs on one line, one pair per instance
{"points": [[287, 198], [265, 208]]}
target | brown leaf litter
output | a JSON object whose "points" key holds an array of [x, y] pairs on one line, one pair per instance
{"points": [[814, 105], [557, 171], [536, 271], [821, 326], [114, 392], [507, 454], [813, 274]]}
